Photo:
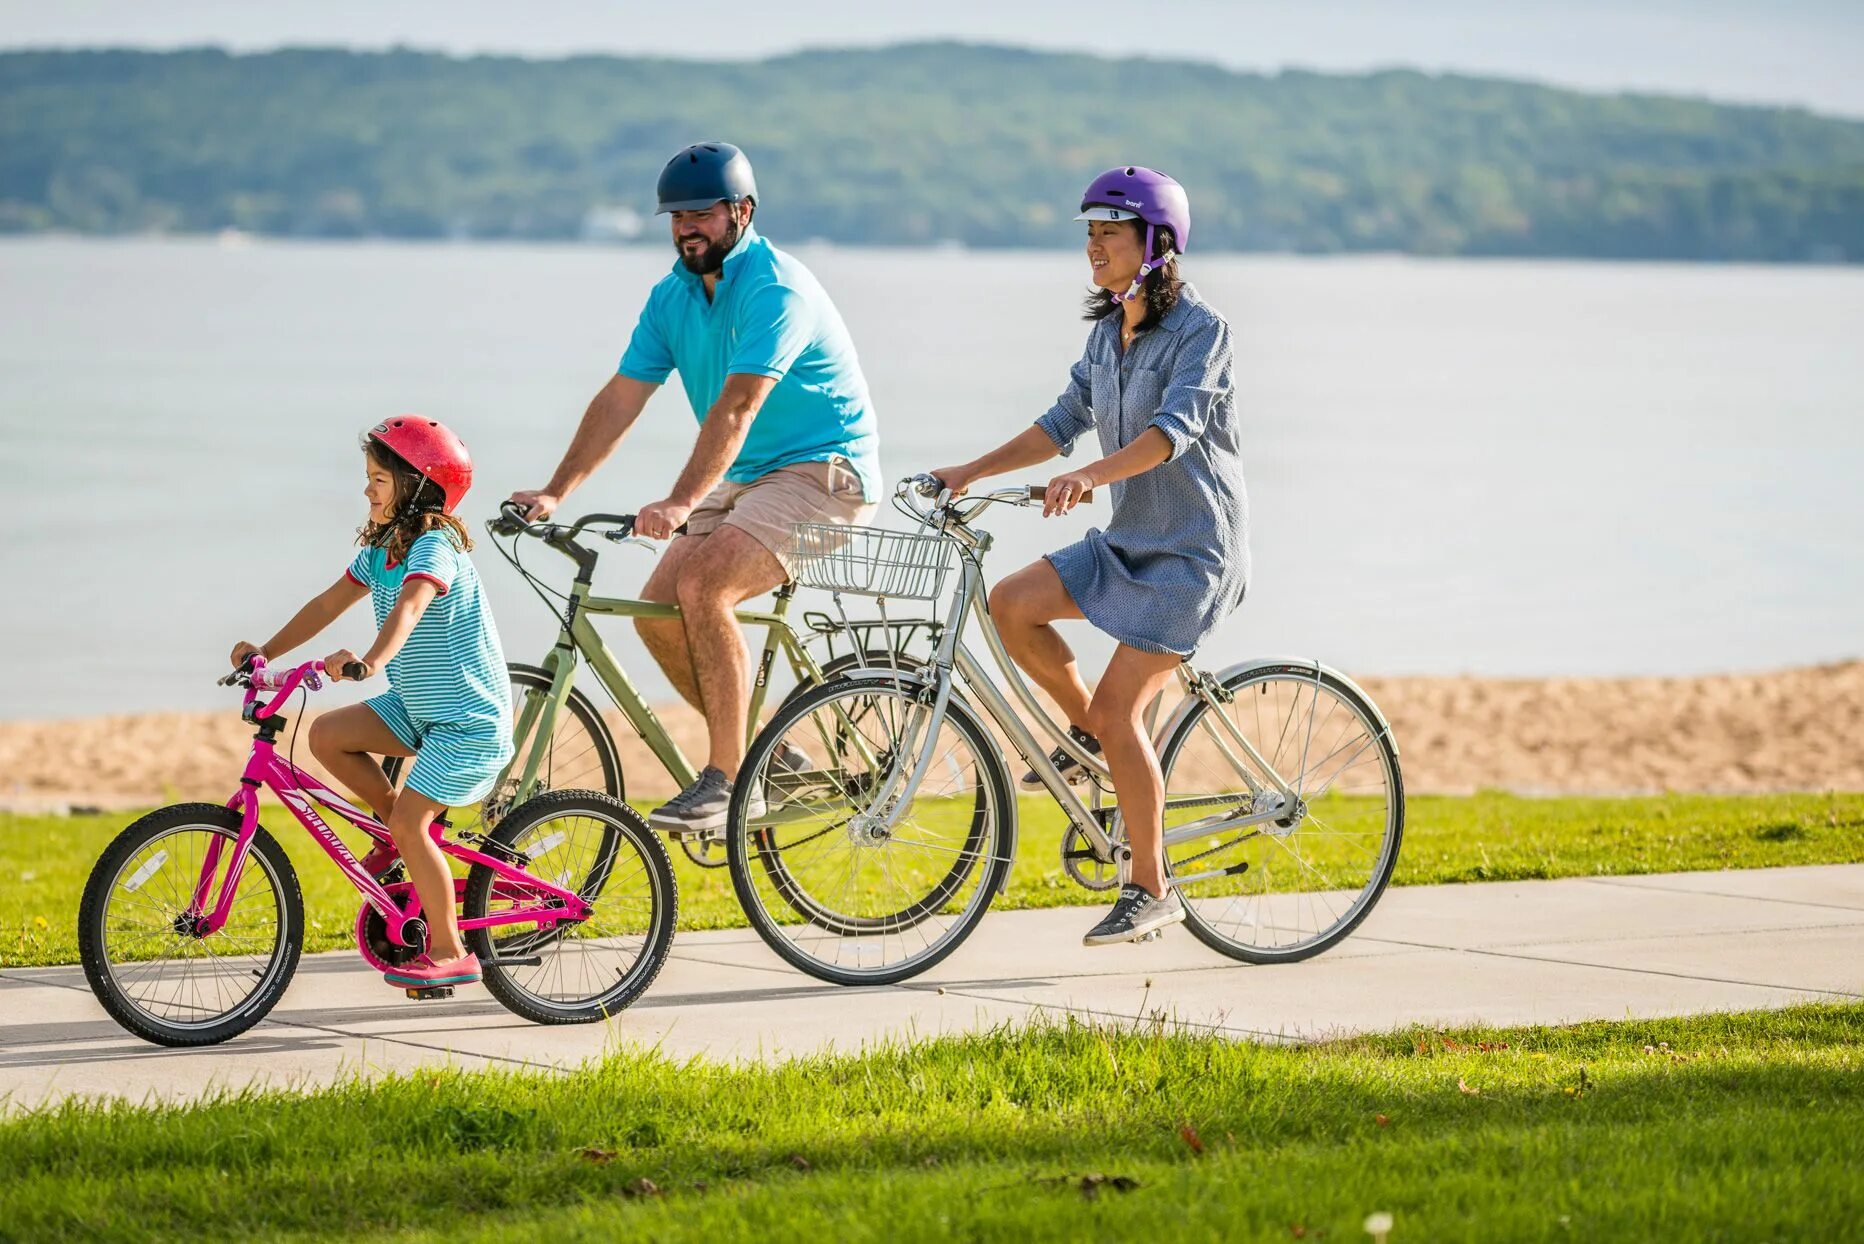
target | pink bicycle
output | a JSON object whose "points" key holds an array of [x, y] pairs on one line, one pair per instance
{"points": [[192, 921]]}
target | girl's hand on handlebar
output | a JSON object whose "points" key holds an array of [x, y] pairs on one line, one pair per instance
{"points": [[244, 652], [338, 667], [1065, 492]]}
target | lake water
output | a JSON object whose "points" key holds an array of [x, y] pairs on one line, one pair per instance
{"points": [[1488, 467]]}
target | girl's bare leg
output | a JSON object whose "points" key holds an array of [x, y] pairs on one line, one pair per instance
{"points": [[427, 867], [346, 741]]}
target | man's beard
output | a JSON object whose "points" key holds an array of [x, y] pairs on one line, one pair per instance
{"points": [[712, 258]]}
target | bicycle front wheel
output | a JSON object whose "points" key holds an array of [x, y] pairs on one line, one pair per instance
{"points": [[141, 927], [850, 872], [1268, 876]]}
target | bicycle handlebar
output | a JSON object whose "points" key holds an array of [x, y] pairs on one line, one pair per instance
{"points": [[511, 521], [930, 486]]}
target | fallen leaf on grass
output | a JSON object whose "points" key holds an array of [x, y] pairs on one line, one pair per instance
{"points": [[640, 1187], [1381, 1120], [1189, 1135], [798, 1161], [1090, 1185], [1463, 1086], [589, 1153]]}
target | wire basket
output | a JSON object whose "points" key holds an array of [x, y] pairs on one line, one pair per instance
{"points": [[869, 561]]}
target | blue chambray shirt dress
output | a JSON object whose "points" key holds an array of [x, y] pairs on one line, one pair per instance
{"points": [[1174, 560]]}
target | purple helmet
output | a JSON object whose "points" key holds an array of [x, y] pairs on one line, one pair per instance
{"points": [[1138, 193]]}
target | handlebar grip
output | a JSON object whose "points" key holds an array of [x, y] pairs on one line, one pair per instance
{"points": [[355, 671], [1039, 492]]}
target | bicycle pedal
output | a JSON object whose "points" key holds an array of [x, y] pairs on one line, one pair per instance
{"points": [[1151, 935], [431, 994]]}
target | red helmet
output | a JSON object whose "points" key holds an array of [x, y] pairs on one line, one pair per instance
{"points": [[431, 448]]}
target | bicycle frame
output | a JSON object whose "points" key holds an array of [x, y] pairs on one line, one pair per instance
{"points": [[954, 656], [298, 791], [578, 636]]}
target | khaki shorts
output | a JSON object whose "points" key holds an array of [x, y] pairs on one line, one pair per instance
{"points": [[766, 508]]}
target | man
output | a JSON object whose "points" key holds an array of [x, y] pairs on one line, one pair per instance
{"points": [[786, 435]]}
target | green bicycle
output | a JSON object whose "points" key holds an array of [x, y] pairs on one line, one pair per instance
{"points": [[564, 742]]}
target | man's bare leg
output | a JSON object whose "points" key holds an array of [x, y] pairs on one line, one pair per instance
{"points": [[666, 637], [729, 569]]}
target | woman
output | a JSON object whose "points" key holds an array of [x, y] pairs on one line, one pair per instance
{"points": [[1154, 384]]}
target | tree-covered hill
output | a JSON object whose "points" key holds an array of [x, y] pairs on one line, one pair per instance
{"points": [[913, 144]]}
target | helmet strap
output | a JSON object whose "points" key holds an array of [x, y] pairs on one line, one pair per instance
{"points": [[1146, 269]]}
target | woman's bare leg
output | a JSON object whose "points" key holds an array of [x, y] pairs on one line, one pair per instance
{"points": [[1022, 606], [1116, 717]]}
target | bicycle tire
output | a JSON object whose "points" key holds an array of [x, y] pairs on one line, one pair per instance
{"points": [[753, 854], [624, 828], [94, 909], [1204, 928]]}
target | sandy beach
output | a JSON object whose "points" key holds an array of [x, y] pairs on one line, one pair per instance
{"points": [[1796, 729]]}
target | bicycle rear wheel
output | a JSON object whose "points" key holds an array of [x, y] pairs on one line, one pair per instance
{"points": [[848, 875], [140, 932], [587, 971], [1266, 879]]}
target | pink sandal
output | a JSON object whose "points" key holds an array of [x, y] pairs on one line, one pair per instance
{"points": [[423, 973]]}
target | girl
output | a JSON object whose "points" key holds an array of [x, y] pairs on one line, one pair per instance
{"points": [[449, 702], [1154, 386]]}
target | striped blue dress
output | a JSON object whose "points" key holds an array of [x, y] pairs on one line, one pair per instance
{"points": [[449, 697], [1173, 561]]}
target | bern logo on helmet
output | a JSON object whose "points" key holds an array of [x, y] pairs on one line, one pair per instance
{"points": [[1134, 203]]}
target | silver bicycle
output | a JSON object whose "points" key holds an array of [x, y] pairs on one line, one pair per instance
{"points": [[1284, 805]]}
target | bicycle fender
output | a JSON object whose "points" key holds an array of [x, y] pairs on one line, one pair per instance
{"points": [[1229, 672]]}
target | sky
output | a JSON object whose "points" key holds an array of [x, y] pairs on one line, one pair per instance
{"points": [[1804, 52]]}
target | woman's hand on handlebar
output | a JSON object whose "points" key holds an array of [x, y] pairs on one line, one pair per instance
{"points": [[342, 666], [1066, 491], [956, 479], [244, 652]]}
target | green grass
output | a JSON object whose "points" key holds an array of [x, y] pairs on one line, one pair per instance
{"points": [[1727, 1127], [1488, 837]]}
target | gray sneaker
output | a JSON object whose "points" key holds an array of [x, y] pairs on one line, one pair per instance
{"points": [[1066, 765], [1136, 915], [701, 806], [788, 759]]}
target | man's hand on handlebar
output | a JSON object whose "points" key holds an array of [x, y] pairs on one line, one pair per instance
{"points": [[661, 520], [536, 505]]}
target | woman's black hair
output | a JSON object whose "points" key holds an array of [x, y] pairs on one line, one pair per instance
{"points": [[415, 510], [1161, 288]]}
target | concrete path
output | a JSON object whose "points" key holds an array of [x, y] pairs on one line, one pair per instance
{"points": [[1515, 953]]}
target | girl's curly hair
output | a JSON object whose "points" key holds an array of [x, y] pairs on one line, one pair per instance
{"points": [[414, 511]]}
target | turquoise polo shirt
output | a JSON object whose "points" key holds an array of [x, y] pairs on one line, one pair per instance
{"points": [[769, 317]]}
